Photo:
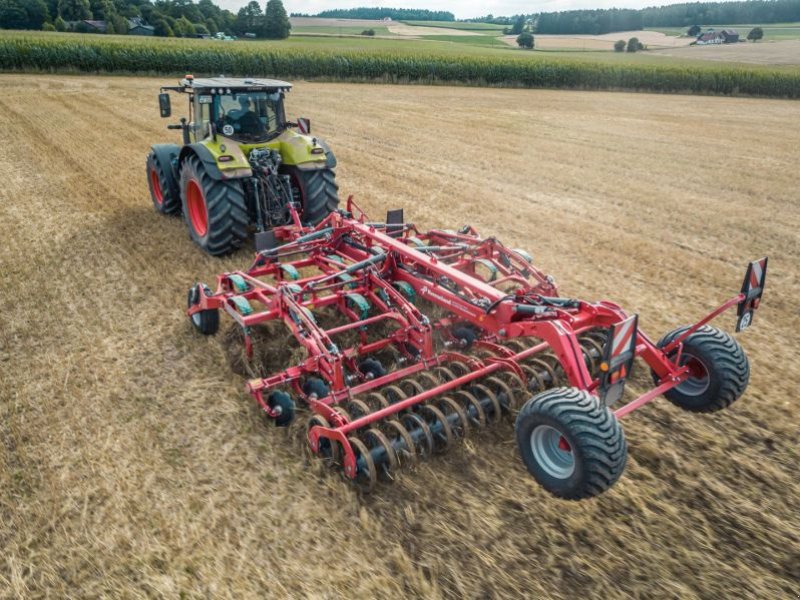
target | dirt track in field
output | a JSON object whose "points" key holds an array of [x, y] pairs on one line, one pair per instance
{"points": [[133, 464]]}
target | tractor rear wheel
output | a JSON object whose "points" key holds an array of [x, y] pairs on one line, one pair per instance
{"points": [[572, 445], [316, 191], [164, 189], [215, 210], [718, 370]]}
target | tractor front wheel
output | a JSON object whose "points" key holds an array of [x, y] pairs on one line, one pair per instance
{"points": [[718, 370], [572, 445], [215, 210], [316, 190], [163, 187]]}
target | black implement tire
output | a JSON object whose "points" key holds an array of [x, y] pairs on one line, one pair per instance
{"points": [[572, 445], [720, 370], [285, 404], [204, 321], [164, 191], [316, 190], [214, 210]]}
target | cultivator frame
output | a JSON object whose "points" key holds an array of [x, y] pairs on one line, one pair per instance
{"points": [[505, 334]]}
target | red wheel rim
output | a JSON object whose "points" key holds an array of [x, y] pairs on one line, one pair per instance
{"points": [[696, 368], [156, 185], [197, 208]]}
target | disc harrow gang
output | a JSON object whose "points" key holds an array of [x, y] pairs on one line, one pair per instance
{"points": [[417, 340]]}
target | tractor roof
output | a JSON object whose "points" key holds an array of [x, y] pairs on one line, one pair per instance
{"points": [[235, 84]]}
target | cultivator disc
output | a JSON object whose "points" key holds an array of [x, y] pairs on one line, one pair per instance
{"points": [[415, 340]]}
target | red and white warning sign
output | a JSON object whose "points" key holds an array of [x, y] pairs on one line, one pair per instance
{"points": [[753, 288], [620, 350]]}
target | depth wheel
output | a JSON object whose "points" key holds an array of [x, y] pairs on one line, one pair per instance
{"points": [[571, 444], [204, 321], [718, 370]]}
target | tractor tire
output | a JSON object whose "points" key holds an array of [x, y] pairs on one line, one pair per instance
{"points": [[571, 444], [316, 191], [215, 211], [719, 367], [164, 190]]}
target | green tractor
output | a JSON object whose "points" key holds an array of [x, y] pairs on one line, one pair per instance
{"points": [[242, 165]]}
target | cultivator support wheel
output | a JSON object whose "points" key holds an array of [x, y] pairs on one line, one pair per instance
{"points": [[416, 340], [572, 444]]}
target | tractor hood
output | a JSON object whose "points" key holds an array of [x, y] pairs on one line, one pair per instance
{"points": [[296, 149]]}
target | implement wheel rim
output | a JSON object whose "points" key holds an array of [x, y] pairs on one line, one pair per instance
{"points": [[155, 183], [552, 451], [196, 203], [698, 380]]}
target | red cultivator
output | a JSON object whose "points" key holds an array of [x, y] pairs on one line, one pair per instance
{"points": [[445, 332]]}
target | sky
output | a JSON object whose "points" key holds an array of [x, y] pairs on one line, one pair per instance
{"points": [[463, 9]]}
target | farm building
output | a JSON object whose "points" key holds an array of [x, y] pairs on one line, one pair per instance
{"points": [[137, 26], [726, 36], [712, 37], [142, 30], [731, 36], [89, 26]]}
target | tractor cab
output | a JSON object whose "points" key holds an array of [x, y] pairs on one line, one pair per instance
{"points": [[249, 111]]}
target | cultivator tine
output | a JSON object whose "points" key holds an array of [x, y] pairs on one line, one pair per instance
{"points": [[459, 424], [379, 444], [366, 472]]}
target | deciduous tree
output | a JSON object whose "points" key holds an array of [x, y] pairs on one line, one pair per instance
{"points": [[525, 40], [276, 21]]}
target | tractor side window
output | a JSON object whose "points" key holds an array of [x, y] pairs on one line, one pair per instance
{"points": [[204, 120]]}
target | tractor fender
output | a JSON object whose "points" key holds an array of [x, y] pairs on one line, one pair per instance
{"points": [[329, 155], [296, 150], [317, 165], [210, 163], [167, 154]]}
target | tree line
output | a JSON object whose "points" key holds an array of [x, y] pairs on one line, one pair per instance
{"points": [[722, 13], [169, 18], [601, 21], [589, 21], [378, 12]]}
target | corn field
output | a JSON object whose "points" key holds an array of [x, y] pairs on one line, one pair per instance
{"points": [[90, 54]]}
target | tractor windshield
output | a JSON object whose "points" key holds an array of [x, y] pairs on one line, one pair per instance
{"points": [[249, 116]]}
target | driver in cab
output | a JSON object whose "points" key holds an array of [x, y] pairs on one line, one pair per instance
{"points": [[245, 120]]}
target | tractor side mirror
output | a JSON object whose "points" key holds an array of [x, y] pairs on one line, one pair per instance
{"points": [[164, 105], [304, 125]]}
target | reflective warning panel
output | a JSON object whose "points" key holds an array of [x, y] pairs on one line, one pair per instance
{"points": [[304, 125], [753, 288], [618, 358]]}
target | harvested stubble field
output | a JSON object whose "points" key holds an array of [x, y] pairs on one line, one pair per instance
{"points": [[133, 464]]}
